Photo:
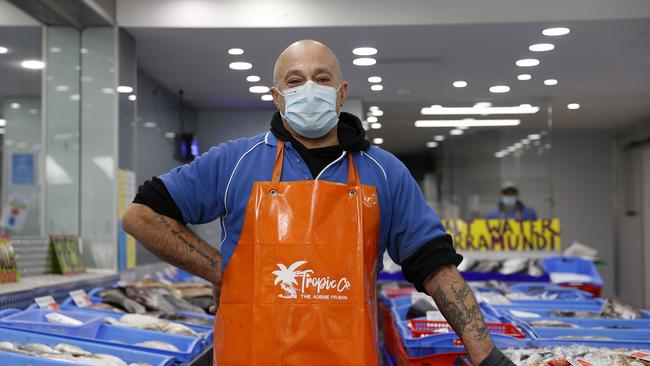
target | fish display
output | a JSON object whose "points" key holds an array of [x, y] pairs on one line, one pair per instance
{"points": [[576, 355], [104, 306], [420, 308], [149, 322], [159, 345], [66, 352], [552, 323], [525, 266], [612, 309], [117, 298], [153, 299]]}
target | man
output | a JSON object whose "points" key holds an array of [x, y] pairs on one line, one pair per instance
{"points": [[306, 209], [510, 207]]}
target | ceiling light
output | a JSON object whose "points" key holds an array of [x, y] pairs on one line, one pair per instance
{"points": [[364, 61], [554, 32], [499, 89], [3, 122], [550, 82], [371, 119], [149, 124], [511, 149], [235, 51], [124, 89], [15, 105], [4, 50], [240, 65], [525, 141], [483, 105], [534, 137], [541, 47], [377, 141], [267, 97], [33, 111], [253, 78], [374, 79], [33, 64], [441, 111], [459, 84], [439, 138], [373, 108], [527, 62], [377, 113], [364, 51], [456, 132], [499, 154], [573, 106], [107, 90], [432, 144], [62, 88], [55, 49], [132, 97], [376, 87], [170, 135], [517, 145], [75, 97], [524, 77], [259, 89], [375, 126], [468, 123]]}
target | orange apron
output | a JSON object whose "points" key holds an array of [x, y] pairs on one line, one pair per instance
{"points": [[299, 290]]}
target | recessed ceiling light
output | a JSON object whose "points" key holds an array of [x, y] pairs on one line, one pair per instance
{"points": [[259, 89], [149, 124], [524, 77], [75, 97], [267, 97], [432, 144], [62, 88], [459, 84], [364, 51], [468, 123], [240, 65], [456, 132], [377, 112], [527, 62], [499, 154], [371, 119], [541, 47], [373, 108], [499, 89], [375, 126], [442, 111], [253, 78], [170, 135], [3, 122], [534, 137], [107, 90], [33, 64], [573, 106], [235, 51], [15, 105], [132, 97], [557, 31], [439, 138], [550, 82], [374, 79], [55, 49], [124, 89], [376, 87], [4, 50], [483, 105], [364, 61], [377, 141]]}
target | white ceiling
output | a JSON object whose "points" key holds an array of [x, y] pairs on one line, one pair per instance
{"points": [[603, 65]]}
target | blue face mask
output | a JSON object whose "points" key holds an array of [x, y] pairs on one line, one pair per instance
{"points": [[310, 109], [509, 201]]}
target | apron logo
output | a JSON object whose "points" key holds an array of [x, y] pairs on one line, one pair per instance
{"points": [[293, 281]]}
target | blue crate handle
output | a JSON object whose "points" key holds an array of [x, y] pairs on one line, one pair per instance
{"points": [[7, 312]]}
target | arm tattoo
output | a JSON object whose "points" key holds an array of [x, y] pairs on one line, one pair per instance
{"points": [[187, 242], [459, 307]]}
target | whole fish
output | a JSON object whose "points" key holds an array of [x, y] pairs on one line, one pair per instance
{"points": [[159, 345], [38, 348], [116, 297], [153, 299], [104, 306], [152, 323]]}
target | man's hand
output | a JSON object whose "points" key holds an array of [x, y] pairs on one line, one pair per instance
{"points": [[174, 243], [458, 305]]}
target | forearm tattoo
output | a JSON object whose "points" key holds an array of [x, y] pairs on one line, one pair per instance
{"points": [[456, 302], [178, 234]]}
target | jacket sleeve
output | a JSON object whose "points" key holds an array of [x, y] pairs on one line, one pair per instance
{"points": [[417, 239], [198, 188]]}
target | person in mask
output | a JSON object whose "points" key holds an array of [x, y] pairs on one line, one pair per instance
{"points": [[511, 208], [307, 210]]}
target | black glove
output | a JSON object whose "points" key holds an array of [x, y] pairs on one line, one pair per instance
{"points": [[497, 358]]}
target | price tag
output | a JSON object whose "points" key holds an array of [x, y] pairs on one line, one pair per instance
{"points": [[47, 303], [66, 252], [80, 298]]}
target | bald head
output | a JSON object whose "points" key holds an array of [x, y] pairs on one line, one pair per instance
{"points": [[305, 55]]}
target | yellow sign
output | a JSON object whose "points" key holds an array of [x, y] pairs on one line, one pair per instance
{"points": [[505, 235]]}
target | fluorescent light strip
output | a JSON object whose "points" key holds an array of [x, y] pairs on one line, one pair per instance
{"points": [[468, 123], [448, 111]]}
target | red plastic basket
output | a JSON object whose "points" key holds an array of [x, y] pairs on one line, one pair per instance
{"points": [[390, 333], [593, 289], [440, 359], [421, 328]]}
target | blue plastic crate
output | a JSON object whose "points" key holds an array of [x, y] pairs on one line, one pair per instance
{"points": [[34, 319], [400, 312], [22, 337], [574, 265], [620, 338], [480, 276]]}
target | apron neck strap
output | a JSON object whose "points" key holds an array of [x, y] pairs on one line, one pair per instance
{"points": [[353, 174]]}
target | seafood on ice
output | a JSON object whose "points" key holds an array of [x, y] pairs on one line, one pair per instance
{"points": [[66, 352]]}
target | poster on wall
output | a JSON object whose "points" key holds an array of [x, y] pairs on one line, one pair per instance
{"points": [[8, 268], [14, 214], [22, 169], [126, 244]]}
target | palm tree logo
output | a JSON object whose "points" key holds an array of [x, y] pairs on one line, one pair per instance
{"points": [[286, 277]]}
